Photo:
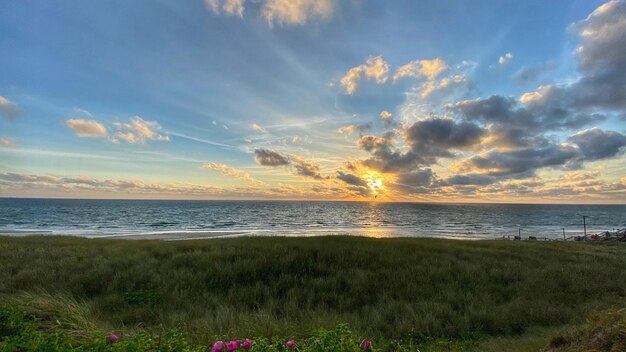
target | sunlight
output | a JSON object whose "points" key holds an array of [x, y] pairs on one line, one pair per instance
{"points": [[375, 183]]}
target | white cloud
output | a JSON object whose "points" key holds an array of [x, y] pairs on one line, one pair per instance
{"points": [[258, 128], [374, 68], [231, 171], [136, 131], [505, 58], [87, 128], [228, 7], [387, 118], [6, 142], [281, 12], [9, 109], [296, 12], [432, 86], [84, 112], [421, 68], [350, 129]]}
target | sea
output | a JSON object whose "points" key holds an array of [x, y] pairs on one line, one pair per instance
{"points": [[178, 220]]}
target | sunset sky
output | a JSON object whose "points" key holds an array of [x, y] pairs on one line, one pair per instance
{"points": [[461, 101]]}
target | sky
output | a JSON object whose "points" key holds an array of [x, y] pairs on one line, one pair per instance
{"points": [[426, 101]]}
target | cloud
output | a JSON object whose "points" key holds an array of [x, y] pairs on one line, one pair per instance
{"points": [[497, 144], [470, 179], [228, 7], [387, 118], [534, 117], [6, 142], [374, 68], [587, 145], [305, 168], [8, 109], [427, 140], [280, 12], [446, 82], [600, 55], [87, 128], [518, 162], [296, 12], [429, 69], [230, 171], [136, 131], [350, 129], [596, 144], [351, 179], [268, 157], [357, 185], [258, 128], [415, 181], [505, 58], [436, 135]]}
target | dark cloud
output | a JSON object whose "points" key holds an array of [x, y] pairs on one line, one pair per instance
{"points": [[427, 140], [422, 177], [416, 181], [588, 145], [509, 138], [470, 179], [268, 157], [351, 179], [595, 144], [305, 168], [601, 56], [385, 157], [545, 112], [362, 191], [520, 162], [436, 136]]}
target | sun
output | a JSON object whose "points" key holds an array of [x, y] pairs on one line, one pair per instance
{"points": [[375, 183]]}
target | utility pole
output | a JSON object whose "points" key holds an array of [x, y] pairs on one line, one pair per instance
{"points": [[585, 226], [564, 234]]}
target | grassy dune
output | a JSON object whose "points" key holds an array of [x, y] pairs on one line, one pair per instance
{"points": [[417, 290]]}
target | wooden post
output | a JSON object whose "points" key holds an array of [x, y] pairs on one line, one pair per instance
{"points": [[585, 226], [564, 234]]}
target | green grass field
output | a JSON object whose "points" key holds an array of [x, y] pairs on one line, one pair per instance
{"points": [[430, 294]]}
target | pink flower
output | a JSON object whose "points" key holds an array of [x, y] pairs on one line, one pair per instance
{"points": [[231, 346], [113, 338], [246, 344], [366, 345], [218, 346], [291, 343]]}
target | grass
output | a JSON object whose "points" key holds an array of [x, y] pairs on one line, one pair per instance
{"points": [[603, 331], [430, 294]]}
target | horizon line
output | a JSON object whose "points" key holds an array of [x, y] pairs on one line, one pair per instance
{"points": [[308, 201]]}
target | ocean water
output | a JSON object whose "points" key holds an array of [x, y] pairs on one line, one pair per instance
{"points": [[198, 219]]}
